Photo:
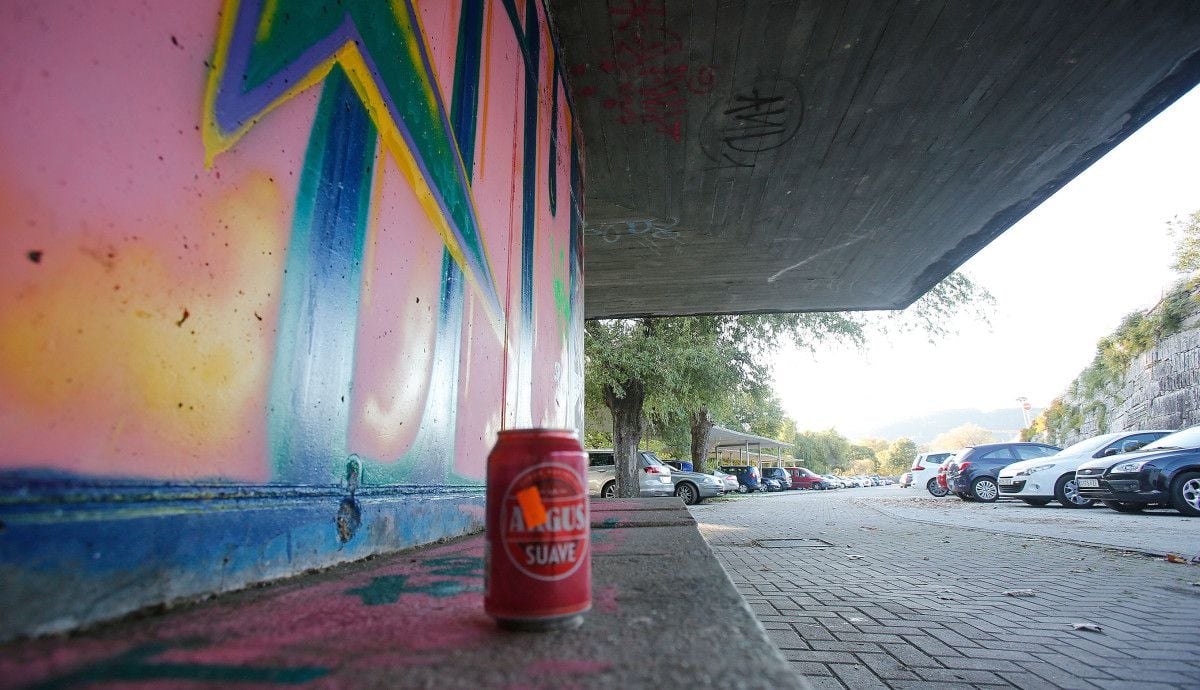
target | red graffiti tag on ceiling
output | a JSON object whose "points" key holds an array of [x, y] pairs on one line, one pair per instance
{"points": [[650, 82]]}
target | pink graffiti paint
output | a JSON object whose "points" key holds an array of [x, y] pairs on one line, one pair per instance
{"points": [[103, 175]]}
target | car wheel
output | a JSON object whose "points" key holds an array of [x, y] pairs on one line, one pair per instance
{"points": [[1037, 502], [688, 492], [743, 489], [609, 490], [935, 488], [1185, 493], [1066, 492], [985, 489], [1123, 507]]}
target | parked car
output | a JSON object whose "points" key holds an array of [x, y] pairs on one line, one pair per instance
{"points": [[1165, 473], [747, 476], [906, 480], [654, 478], [780, 476], [804, 478], [832, 481], [694, 487], [925, 470], [730, 481], [972, 473], [1037, 482], [772, 484]]}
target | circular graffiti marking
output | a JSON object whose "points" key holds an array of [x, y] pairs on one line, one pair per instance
{"points": [[761, 118]]}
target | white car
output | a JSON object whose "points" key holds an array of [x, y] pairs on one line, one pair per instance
{"points": [[924, 472], [730, 480], [1052, 478], [654, 476]]}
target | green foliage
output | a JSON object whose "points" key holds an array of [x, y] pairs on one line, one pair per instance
{"points": [[898, 457], [1087, 394], [719, 363], [821, 451], [1187, 252]]}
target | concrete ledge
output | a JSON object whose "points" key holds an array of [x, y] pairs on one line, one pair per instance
{"points": [[75, 553], [664, 614]]}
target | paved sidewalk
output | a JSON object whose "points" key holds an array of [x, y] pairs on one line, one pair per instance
{"points": [[415, 620], [897, 604]]}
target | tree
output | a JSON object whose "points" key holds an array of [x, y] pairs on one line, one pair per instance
{"points": [[662, 370], [898, 457], [1187, 253], [643, 369], [822, 451], [961, 436]]}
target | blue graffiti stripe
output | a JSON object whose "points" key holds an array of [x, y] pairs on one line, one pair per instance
{"points": [[528, 214], [431, 456], [314, 360], [258, 73]]}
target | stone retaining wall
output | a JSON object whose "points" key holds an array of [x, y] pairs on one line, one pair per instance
{"points": [[1160, 389]]}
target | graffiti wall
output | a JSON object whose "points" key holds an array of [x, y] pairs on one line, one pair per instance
{"points": [[247, 240], [263, 241]]}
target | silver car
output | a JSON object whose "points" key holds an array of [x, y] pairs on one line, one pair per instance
{"points": [[730, 480], [694, 487], [654, 477]]}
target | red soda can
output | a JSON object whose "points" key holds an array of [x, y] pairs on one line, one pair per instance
{"points": [[539, 561]]}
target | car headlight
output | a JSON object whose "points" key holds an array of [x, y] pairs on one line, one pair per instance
{"points": [[1128, 467], [1031, 470]]}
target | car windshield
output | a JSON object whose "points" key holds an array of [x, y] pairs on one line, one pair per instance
{"points": [[1188, 438], [1088, 445]]}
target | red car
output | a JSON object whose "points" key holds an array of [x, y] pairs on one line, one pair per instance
{"points": [[941, 477], [804, 478]]}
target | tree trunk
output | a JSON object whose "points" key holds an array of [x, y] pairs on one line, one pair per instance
{"points": [[702, 424], [628, 426]]}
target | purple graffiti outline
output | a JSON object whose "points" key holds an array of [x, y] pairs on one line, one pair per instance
{"points": [[233, 107]]}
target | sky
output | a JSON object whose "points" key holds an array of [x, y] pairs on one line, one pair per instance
{"points": [[1063, 277]]}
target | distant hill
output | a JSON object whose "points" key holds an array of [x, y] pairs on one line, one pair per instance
{"points": [[1004, 424]]}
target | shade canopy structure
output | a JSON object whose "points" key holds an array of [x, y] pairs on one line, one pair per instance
{"points": [[720, 437], [766, 156], [721, 440]]}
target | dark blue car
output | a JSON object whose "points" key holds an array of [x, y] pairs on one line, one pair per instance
{"points": [[971, 473], [747, 476], [1164, 473]]}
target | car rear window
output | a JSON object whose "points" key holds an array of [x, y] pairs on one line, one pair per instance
{"points": [[651, 459], [600, 459], [999, 454]]}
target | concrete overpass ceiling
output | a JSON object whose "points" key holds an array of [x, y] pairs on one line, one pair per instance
{"points": [[815, 155]]}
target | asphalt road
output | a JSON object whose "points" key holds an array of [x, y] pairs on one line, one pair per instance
{"points": [[891, 589]]}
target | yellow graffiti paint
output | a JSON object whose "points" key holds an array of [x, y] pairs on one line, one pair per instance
{"points": [[350, 58], [138, 337]]}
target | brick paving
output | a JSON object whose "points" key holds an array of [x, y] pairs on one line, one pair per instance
{"points": [[899, 604]]}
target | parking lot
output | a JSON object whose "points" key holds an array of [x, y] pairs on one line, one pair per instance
{"points": [[888, 587]]}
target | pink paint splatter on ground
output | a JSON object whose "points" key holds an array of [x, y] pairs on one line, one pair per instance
{"points": [[605, 599], [568, 667]]}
